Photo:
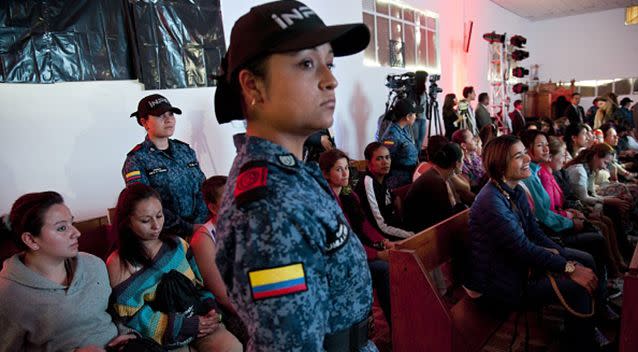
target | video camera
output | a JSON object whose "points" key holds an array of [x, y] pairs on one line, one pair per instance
{"points": [[434, 87], [401, 83]]}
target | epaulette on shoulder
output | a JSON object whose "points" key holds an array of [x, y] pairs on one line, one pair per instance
{"points": [[135, 149], [251, 183]]}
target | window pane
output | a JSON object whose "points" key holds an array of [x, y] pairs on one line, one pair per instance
{"points": [[421, 50], [431, 40], [397, 31], [368, 5], [604, 89], [408, 15], [587, 91], [383, 41], [396, 11], [622, 87], [410, 42], [371, 50], [396, 53], [430, 23], [382, 7], [420, 19]]}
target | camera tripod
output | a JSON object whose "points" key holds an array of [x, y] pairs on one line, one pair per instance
{"points": [[434, 120]]}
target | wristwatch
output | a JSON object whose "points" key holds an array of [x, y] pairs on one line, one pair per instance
{"points": [[570, 267]]}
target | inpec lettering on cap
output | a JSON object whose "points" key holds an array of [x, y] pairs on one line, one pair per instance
{"points": [[285, 20]]}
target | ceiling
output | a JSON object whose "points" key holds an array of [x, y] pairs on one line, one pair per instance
{"points": [[537, 10]]}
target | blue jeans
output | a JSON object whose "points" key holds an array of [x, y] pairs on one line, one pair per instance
{"points": [[418, 132]]}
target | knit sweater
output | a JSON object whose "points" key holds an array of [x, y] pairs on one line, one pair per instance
{"points": [[37, 314], [132, 298]]}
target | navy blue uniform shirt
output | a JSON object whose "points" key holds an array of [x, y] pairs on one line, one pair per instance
{"points": [[294, 269], [176, 176]]}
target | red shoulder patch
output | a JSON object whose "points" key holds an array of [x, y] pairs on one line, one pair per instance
{"points": [[251, 183], [136, 148]]}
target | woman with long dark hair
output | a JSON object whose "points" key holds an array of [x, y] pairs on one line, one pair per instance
{"points": [[450, 115], [335, 167], [157, 286]]}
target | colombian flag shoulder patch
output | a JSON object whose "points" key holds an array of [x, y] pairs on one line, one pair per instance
{"points": [[133, 176], [277, 281]]}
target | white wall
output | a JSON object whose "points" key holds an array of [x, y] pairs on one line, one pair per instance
{"points": [[585, 47], [73, 137]]}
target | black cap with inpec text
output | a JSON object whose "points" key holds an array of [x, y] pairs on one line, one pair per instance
{"points": [[277, 27]]}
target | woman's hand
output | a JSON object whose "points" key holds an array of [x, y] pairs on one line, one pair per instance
{"points": [[621, 204], [585, 277], [208, 323], [383, 255], [389, 244]]}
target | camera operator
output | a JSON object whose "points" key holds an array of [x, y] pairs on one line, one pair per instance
{"points": [[421, 98], [398, 140]]}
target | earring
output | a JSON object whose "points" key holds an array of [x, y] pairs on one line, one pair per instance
{"points": [[252, 103]]}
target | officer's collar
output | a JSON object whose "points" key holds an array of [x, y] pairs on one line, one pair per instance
{"points": [[262, 149], [148, 144]]}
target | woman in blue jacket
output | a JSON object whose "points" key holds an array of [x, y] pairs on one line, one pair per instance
{"points": [[506, 245]]}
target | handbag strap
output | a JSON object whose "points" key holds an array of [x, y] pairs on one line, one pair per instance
{"points": [[563, 302]]}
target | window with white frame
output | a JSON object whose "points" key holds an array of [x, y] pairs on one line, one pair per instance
{"points": [[402, 36]]}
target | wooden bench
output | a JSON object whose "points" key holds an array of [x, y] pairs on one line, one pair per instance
{"points": [[629, 315], [422, 318]]}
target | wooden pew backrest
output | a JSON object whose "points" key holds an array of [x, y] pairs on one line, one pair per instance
{"points": [[629, 315], [423, 319]]}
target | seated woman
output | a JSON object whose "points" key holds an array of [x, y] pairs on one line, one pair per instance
{"points": [[398, 140], [334, 166], [432, 197], [506, 245], [472, 164], [460, 183], [204, 246], [581, 172], [560, 205], [376, 199], [576, 138], [157, 287], [54, 298]]}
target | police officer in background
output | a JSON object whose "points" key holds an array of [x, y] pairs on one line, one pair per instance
{"points": [[398, 140], [168, 165], [295, 271]]}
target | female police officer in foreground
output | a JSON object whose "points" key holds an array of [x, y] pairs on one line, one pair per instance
{"points": [[295, 271], [167, 165]]}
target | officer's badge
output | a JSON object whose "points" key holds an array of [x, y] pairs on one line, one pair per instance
{"points": [[277, 281], [251, 182], [337, 239], [287, 160], [155, 171]]}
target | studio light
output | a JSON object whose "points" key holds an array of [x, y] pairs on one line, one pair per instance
{"points": [[519, 55], [518, 41], [520, 88], [494, 38], [520, 72]]}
